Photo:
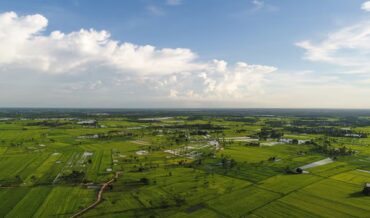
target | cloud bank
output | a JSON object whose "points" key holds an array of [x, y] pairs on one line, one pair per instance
{"points": [[89, 59]]}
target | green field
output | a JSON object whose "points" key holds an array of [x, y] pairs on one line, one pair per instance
{"points": [[191, 164]]}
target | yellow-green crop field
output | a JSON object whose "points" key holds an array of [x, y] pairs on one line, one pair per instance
{"points": [[183, 164]]}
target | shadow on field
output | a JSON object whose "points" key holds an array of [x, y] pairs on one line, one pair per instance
{"points": [[195, 208], [357, 195]]}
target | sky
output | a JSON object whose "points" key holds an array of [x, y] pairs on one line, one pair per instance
{"points": [[185, 53]]}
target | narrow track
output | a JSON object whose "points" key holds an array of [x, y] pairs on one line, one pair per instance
{"points": [[98, 197]]}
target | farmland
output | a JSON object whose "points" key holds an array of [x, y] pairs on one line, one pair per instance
{"points": [[184, 163]]}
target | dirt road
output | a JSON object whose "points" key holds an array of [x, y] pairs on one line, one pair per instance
{"points": [[98, 197]]}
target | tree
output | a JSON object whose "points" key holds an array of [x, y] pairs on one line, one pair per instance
{"points": [[74, 177], [164, 203], [179, 200], [299, 170], [18, 178], [33, 178], [144, 180]]}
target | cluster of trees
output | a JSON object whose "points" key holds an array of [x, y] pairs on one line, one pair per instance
{"points": [[16, 144], [177, 137], [253, 144], [276, 123], [227, 162], [240, 130], [48, 123], [354, 121], [326, 148], [314, 122], [178, 200], [249, 120], [144, 167], [112, 134], [152, 148], [205, 126], [345, 121], [144, 181], [198, 132], [329, 131], [267, 132], [272, 159], [73, 177]]}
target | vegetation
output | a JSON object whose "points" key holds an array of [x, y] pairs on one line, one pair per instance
{"points": [[195, 163]]}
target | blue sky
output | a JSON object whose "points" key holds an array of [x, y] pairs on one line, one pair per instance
{"points": [[234, 31], [266, 35]]}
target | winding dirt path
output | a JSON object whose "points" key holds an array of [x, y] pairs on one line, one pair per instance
{"points": [[98, 197]]}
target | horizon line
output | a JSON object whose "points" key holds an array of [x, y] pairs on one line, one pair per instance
{"points": [[187, 108]]}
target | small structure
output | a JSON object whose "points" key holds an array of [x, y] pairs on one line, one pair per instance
{"points": [[142, 152], [353, 135], [294, 141], [87, 122], [366, 190], [95, 136], [286, 141], [302, 142]]}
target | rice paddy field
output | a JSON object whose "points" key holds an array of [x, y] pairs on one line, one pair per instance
{"points": [[177, 163]]}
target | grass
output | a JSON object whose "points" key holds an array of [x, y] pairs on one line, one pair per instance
{"points": [[29, 204], [12, 166], [280, 209], [339, 192], [356, 177], [117, 202], [321, 206], [11, 197], [288, 183], [201, 213], [241, 202], [177, 186], [60, 204]]}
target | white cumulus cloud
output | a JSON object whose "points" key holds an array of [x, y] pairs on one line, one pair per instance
{"points": [[81, 57], [366, 6], [23, 45]]}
